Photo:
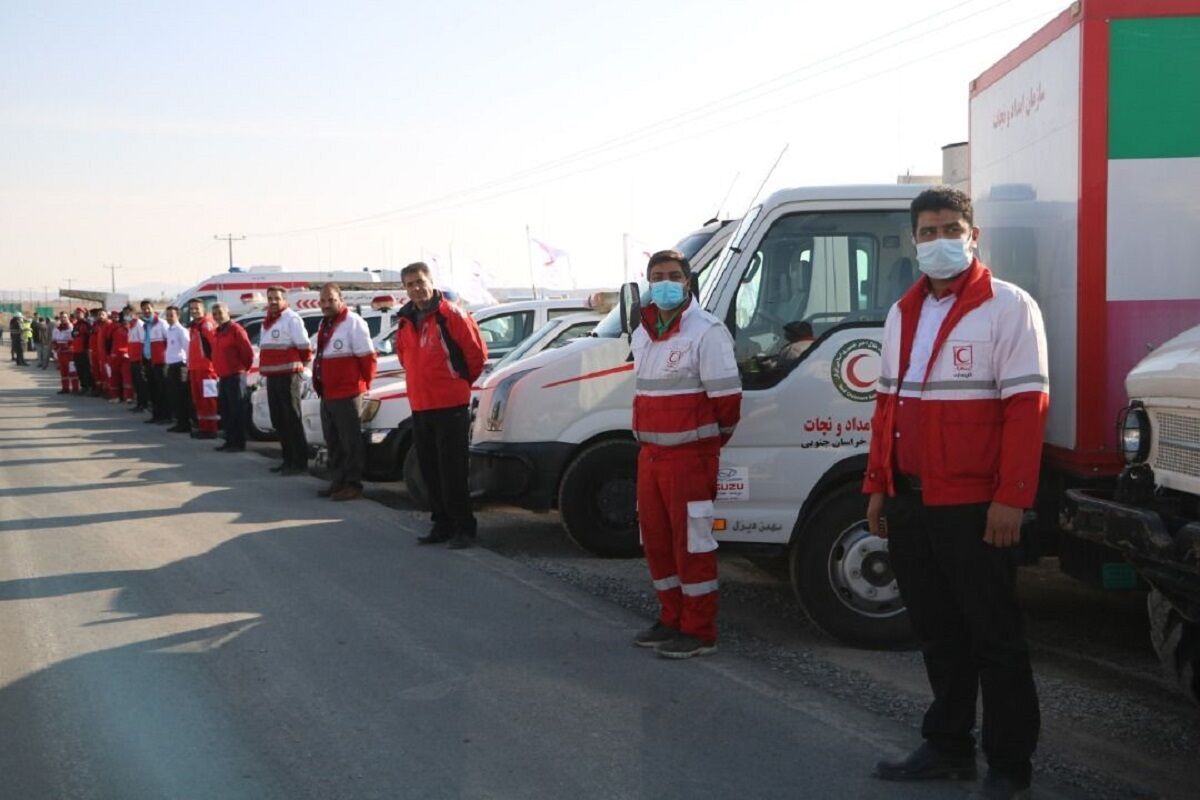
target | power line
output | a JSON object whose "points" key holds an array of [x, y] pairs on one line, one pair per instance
{"points": [[723, 104], [230, 238]]}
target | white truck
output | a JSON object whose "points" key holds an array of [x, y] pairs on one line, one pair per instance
{"points": [[553, 431], [1085, 160]]}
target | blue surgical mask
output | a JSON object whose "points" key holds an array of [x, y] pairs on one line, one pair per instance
{"points": [[944, 258], [667, 294]]}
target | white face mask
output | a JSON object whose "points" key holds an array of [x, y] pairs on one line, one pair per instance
{"points": [[944, 258]]}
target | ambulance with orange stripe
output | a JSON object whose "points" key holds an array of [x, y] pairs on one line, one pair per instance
{"points": [[553, 431]]}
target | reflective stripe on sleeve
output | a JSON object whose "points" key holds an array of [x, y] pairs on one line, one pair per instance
{"points": [[678, 437], [681, 382]]}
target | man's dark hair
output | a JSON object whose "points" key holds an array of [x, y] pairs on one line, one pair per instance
{"points": [[415, 267], [279, 289], [175, 309], [199, 300], [942, 198], [663, 256], [333, 287], [147, 302]]}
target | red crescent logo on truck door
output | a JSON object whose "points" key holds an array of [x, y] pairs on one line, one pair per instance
{"points": [[855, 369]]}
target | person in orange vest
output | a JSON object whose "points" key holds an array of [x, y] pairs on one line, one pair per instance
{"points": [[687, 402], [283, 353], [202, 378], [233, 356], [63, 338], [120, 378]]}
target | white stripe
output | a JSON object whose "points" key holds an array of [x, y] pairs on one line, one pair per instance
{"points": [[698, 589], [678, 437], [726, 393], [665, 584], [723, 384]]}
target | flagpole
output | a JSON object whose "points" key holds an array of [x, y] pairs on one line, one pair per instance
{"points": [[625, 254], [529, 255]]}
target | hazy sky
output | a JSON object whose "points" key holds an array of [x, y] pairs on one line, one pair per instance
{"points": [[131, 133]]}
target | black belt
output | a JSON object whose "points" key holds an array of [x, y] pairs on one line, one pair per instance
{"points": [[906, 483]]}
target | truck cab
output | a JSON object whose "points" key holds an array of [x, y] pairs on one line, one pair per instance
{"points": [[1152, 517], [554, 431]]}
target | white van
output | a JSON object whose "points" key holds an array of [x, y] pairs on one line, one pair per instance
{"points": [[241, 290], [554, 431]]}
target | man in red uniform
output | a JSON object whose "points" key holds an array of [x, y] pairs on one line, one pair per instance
{"points": [[232, 358], [99, 351], [443, 353], [80, 351], [956, 445], [686, 405], [120, 376], [63, 338], [283, 354], [202, 378], [342, 373]]}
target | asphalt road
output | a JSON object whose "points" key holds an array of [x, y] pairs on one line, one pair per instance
{"points": [[181, 623]]}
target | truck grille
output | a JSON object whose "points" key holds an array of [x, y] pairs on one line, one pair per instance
{"points": [[1178, 444]]}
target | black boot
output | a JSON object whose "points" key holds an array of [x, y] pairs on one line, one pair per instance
{"points": [[925, 764]]}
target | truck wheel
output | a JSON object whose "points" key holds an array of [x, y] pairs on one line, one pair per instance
{"points": [[254, 432], [598, 499], [842, 576], [413, 482], [1177, 642]]}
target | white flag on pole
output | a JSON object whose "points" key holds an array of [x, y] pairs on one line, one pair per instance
{"points": [[552, 266], [637, 254]]}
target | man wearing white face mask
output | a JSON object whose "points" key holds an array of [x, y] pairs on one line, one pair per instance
{"points": [[955, 452], [687, 403]]}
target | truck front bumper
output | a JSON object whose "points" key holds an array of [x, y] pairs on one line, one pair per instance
{"points": [[1168, 558], [525, 474]]}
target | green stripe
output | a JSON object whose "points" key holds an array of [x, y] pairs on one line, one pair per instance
{"points": [[1154, 88]]}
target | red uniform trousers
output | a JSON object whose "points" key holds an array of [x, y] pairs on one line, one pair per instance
{"points": [[674, 496], [207, 415], [120, 378], [99, 371], [66, 370]]}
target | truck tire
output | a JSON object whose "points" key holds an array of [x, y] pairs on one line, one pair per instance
{"points": [[597, 499], [253, 432], [841, 575], [413, 482], [1177, 642]]}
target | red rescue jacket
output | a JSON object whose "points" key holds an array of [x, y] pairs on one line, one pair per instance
{"points": [[232, 352], [983, 399], [283, 346], [119, 340], [345, 362], [200, 347], [80, 330], [439, 372]]}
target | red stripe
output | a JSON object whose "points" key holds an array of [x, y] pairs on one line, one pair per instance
{"points": [[230, 287], [600, 374], [1022, 53]]}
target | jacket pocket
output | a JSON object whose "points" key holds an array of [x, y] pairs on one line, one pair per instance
{"points": [[700, 520], [970, 438]]}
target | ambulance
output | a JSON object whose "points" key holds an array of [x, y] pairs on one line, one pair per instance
{"points": [[242, 290], [553, 431]]}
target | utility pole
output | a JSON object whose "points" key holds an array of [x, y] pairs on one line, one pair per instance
{"points": [[230, 238], [69, 280], [112, 268]]}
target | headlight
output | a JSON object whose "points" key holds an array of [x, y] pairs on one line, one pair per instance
{"points": [[1135, 434], [370, 409], [495, 419]]}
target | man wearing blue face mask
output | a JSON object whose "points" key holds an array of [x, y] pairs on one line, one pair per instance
{"points": [[956, 448], [687, 402]]}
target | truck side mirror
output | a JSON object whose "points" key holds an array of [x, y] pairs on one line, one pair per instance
{"points": [[631, 308]]}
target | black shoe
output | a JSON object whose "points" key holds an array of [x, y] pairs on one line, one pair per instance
{"points": [[163, 421], [235, 448], [277, 468], [204, 434], [460, 541], [434, 537], [178, 429], [927, 764], [222, 447], [655, 635], [684, 646], [329, 491], [289, 471], [998, 786]]}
